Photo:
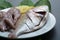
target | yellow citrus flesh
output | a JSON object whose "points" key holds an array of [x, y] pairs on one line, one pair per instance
{"points": [[23, 9]]}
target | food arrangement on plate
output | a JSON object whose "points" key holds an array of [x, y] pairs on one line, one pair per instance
{"points": [[25, 18]]}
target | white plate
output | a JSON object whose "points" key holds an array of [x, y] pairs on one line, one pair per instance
{"points": [[48, 26]]}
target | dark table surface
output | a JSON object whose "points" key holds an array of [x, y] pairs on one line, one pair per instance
{"points": [[54, 34]]}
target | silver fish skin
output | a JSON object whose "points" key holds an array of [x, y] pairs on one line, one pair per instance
{"points": [[31, 20]]}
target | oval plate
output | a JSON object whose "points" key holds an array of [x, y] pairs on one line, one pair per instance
{"points": [[48, 26]]}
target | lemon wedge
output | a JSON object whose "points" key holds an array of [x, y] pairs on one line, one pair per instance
{"points": [[23, 9]]}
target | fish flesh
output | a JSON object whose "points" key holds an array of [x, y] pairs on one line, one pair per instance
{"points": [[33, 19]]}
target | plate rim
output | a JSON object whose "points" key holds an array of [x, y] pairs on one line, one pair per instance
{"points": [[37, 30]]}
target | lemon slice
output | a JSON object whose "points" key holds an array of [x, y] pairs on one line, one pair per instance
{"points": [[23, 9]]}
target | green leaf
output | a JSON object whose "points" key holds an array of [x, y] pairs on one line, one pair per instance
{"points": [[27, 2], [44, 2], [2, 0], [4, 4]]}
